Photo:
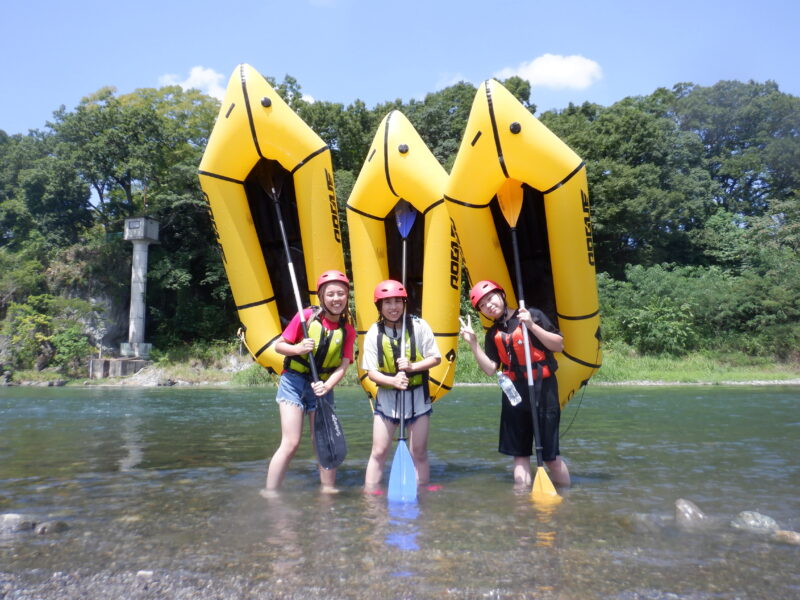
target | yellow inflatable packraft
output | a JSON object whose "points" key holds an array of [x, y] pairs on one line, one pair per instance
{"points": [[506, 152], [260, 156], [400, 167]]}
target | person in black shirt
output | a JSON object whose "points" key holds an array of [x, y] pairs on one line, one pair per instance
{"points": [[503, 348]]}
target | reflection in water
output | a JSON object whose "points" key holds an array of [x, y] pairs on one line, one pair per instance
{"points": [[395, 531], [132, 442], [403, 529], [284, 524]]}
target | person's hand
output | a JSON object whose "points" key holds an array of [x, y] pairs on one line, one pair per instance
{"points": [[304, 346], [466, 331], [403, 364], [319, 388], [400, 380]]}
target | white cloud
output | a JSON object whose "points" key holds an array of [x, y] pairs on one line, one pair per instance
{"points": [[200, 78], [557, 72]]}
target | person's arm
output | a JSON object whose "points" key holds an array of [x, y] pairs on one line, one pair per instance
{"points": [[291, 342], [428, 349], [551, 340], [323, 387], [304, 346], [486, 364], [399, 380]]}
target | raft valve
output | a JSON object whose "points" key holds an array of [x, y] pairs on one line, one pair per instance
{"points": [[403, 148], [515, 127], [266, 102]]}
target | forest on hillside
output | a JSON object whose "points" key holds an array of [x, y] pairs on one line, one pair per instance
{"points": [[695, 195]]}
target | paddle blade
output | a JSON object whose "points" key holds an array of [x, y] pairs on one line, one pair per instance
{"points": [[509, 196], [543, 491], [329, 439], [271, 176], [404, 216], [403, 477]]}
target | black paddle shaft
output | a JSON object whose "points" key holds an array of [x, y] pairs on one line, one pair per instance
{"points": [[532, 395], [312, 364]]}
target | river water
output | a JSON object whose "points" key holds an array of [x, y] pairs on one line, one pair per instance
{"points": [[159, 490]]}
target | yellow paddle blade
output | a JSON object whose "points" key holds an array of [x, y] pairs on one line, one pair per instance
{"points": [[509, 196], [543, 491]]}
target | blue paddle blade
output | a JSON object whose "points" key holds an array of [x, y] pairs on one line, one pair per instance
{"points": [[404, 216], [403, 477]]}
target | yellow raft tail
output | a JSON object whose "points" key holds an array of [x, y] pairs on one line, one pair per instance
{"points": [[505, 149], [259, 143], [399, 166]]}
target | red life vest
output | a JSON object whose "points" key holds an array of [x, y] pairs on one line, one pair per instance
{"points": [[511, 349]]}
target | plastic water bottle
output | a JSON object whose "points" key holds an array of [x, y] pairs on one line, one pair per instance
{"points": [[509, 389]]}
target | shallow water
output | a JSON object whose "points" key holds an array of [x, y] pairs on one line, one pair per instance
{"points": [[167, 480]]}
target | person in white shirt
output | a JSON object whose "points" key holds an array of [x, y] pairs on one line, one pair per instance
{"points": [[402, 380]]}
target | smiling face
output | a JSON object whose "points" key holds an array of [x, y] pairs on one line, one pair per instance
{"points": [[334, 297], [492, 305], [392, 309]]}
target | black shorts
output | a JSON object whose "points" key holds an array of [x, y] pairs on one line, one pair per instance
{"points": [[516, 423]]}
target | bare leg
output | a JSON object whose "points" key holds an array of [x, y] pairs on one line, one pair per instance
{"points": [[522, 470], [327, 477], [291, 431], [382, 434], [418, 442], [559, 471]]}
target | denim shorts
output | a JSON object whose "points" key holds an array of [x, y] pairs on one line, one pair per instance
{"points": [[295, 389]]}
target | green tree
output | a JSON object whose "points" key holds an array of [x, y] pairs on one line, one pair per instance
{"points": [[648, 186], [117, 146], [751, 138], [442, 118]]}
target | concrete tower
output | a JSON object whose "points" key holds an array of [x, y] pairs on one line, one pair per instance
{"points": [[142, 231]]}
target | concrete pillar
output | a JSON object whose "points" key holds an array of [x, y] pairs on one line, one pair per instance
{"points": [[142, 232], [138, 289]]}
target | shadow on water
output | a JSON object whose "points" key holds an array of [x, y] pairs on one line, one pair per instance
{"points": [[165, 482]]}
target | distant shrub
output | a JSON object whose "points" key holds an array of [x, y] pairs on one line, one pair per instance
{"points": [[659, 328], [72, 349], [47, 330]]}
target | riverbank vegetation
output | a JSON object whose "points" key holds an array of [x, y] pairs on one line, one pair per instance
{"points": [[695, 206]]}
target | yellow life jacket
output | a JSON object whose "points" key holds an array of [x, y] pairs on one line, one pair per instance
{"points": [[389, 352], [328, 347]]}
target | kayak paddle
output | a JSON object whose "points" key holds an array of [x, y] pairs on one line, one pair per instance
{"points": [[329, 440], [403, 476], [510, 198]]}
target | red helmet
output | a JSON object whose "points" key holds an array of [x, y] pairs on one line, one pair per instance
{"points": [[332, 275], [481, 289], [389, 289]]}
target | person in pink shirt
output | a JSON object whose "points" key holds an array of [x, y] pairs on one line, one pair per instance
{"points": [[330, 344]]}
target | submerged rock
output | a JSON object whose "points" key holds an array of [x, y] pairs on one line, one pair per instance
{"points": [[688, 516], [51, 527], [13, 522], [787, 537], [645, 523], [754, 522]]}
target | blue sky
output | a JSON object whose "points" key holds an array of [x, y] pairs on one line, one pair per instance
{"points": [[341, 50]]}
